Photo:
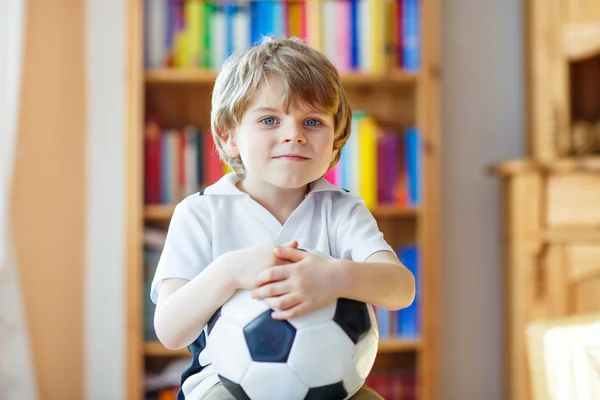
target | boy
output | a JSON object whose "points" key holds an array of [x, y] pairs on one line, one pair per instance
{"points": [[279, 119]]}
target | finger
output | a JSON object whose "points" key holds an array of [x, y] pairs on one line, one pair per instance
{"points": [[292, 255], [271, 290], [291, 312], [283, 302], [272, 274], [292, 244]]}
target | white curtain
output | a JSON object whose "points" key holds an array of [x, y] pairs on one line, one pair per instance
{"points": [[17, 380]]}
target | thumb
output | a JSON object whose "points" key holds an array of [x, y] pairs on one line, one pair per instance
{"points": [[293, 244], [290, 254]]}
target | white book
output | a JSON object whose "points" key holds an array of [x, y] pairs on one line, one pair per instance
{"points": [[156, 33]]}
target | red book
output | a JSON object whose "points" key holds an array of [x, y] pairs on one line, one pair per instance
{"points": [[152, 162], [213, 167]]}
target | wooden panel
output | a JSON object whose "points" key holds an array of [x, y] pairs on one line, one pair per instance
{"points": [[573, 199], [584, 263], [582, 41], [548, 103], [578, 11], [522, 215], [48, 196], [133, 273]]}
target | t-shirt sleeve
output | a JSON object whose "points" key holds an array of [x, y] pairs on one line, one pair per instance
{"points": [[188, 248], [357, 235]]}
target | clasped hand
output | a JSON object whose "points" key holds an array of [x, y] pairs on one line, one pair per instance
{"points": [[301, 283]]}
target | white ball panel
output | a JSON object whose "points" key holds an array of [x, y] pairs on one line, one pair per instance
{"points": [[364, 358], [228, 350], [323, 314], [273, 381], [322, 354], [373, 317], [242, 308]]}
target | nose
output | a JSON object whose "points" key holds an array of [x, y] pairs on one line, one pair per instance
{"points": [[293, 134]]}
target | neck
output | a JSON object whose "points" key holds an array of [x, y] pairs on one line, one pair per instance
{"points": [[280, 202]]}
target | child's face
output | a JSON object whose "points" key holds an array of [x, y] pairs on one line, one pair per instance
{"points": [[285, 150]]}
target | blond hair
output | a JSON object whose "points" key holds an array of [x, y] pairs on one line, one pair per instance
{"points": [[309, 79]]}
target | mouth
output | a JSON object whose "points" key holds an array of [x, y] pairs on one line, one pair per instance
{"points": [[291, 157]]}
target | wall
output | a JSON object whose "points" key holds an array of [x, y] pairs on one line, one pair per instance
{"points": [[482, 124]]}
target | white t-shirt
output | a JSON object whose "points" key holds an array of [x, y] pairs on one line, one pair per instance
{"points": [[224, 218]]}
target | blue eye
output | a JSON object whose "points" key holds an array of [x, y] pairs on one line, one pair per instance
{"points": [[312, 122], [269, 121]]}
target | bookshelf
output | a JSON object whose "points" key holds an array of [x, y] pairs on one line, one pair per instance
{"points": [[392, 96]]}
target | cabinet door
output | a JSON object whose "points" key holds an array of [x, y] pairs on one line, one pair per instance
{"points": [[571, 279]]}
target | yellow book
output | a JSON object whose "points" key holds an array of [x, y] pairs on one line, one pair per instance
{"points": [[226, 169], [181, 54], [193, 21], [314, 33], [378, 38], [367, 153]]}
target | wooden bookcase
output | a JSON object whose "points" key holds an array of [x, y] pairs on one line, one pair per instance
{"points": [[394, 97], [551, 198]]}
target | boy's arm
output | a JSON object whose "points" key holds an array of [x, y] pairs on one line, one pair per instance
{"points": [[311, 281], [178, 319], [381, 280]]}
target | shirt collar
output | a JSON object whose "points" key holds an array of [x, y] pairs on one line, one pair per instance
{"points": [[227, 186]]}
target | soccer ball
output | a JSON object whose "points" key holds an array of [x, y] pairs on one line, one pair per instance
{"points": [[326, 354]]}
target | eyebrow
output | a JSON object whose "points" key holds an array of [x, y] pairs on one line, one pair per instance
{"points": [[277, 110], [268, 109]]}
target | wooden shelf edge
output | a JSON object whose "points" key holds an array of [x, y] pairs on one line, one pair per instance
{"points": [[561, 165], [387, 345], [399, 345], [207, 76], [582, 41], [160, 212], [156, 349]]}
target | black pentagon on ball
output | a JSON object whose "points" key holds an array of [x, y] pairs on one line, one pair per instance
{"points": [[336, 391], [213, 320], [268, 339], [235, 389], [353, 317]]}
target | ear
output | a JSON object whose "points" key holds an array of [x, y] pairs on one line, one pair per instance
{"points": [[229, 146], [334, 153]]}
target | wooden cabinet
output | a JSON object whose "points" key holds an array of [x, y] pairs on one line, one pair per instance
{"points": [[552, 197], [552, 251], [563, 74]]}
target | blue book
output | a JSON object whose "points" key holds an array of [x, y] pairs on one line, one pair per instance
{"points": [[229, 9], [408, 320], [413, 149], [277, 19], [383, 320], [354, 42], [410, 32]]}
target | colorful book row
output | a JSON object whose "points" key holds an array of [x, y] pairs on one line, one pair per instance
{"points": [[381, 165], [178, 162], [356, 35], [378, 164]]}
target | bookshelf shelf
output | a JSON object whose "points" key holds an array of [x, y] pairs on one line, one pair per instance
{"points": [[160, 212], [204, 76], [389, 345]]}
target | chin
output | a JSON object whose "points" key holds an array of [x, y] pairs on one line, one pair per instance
{"points": [[292, 182]]}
